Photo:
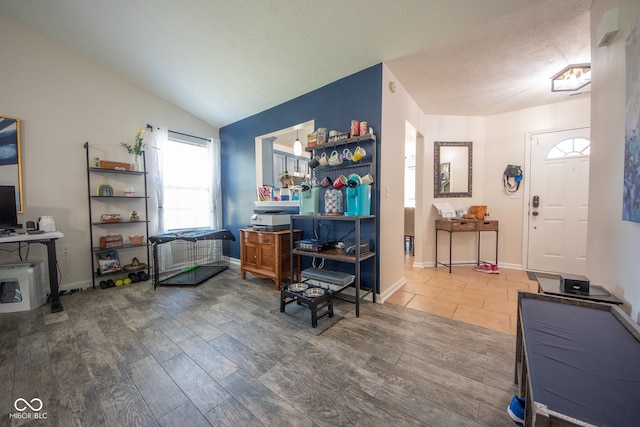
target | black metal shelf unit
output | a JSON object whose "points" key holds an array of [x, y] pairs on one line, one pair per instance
{"points": [[363, 225], [117, 201], [339, 255]]}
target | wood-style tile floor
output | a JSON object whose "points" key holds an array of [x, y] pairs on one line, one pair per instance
{"points": [[215, 355], [487, 300]]}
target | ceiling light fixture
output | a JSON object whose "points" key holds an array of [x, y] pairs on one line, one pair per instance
{"points": [[571, 78], [297, 146]]}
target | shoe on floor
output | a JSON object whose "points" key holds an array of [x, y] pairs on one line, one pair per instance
{"points": [[484, 268], [516, 410], [495, 269]]}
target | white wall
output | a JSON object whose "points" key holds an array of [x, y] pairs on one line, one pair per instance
{"points": [[613, 244], [497, 141], [397, 109], [449, 128], [64, 100], [506, 142]]}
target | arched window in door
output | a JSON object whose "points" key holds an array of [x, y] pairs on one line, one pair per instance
{"points": [[572, 147]]}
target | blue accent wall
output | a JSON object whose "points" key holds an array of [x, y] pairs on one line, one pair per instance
{"points": [[358, 96]]}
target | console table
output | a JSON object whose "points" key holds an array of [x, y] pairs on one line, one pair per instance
{"points": [[464, 225], [49, 240]]}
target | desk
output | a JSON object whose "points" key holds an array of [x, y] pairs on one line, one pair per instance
{"points": [[596, 292], [49, 240], [464, 225]]}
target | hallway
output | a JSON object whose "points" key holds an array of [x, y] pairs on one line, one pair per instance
{"points": [[487, 300]]}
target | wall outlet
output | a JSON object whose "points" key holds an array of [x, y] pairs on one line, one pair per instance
{"points": [[515, 195], [66, 250]]}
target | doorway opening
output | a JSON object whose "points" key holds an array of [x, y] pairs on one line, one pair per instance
{"points": [[409, 189], [275, 155]]}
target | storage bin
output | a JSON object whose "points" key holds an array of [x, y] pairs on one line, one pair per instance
{"points": [[22, 286]]}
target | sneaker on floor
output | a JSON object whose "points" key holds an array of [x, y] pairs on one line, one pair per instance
{"points": [[484, 268], [516, 410], [495, 269]]}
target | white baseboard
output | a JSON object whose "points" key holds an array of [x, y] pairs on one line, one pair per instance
{"points": [[387, 293], [74, 286]]}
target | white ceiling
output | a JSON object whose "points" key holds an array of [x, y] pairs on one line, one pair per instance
{"points": [[225, 60]]}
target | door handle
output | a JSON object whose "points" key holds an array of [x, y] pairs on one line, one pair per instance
{"points": [[534, 213]]}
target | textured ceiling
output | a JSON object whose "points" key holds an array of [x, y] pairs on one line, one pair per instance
{"points": [[225, 60]]}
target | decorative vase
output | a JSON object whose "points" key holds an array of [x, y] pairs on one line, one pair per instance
{"points": [[135, 163]]}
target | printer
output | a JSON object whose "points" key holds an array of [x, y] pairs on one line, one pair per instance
{"points": [[273, 216]]}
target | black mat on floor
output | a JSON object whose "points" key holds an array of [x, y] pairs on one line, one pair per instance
{"points": [[300, 316], [533, 275], [193, 277]]}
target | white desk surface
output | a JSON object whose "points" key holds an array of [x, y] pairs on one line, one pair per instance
{"points": [[24, 237]]}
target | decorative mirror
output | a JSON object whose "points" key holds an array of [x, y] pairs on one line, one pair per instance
{"points": [[452, 169], [10, 162]]}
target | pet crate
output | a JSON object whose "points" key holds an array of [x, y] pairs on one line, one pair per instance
{"points": [[189, 257]]}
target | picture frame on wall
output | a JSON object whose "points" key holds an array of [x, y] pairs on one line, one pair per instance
{"points": [[10, 157], [108, 262]]}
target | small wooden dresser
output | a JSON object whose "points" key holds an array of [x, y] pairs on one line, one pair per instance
{"points": [[267, 254]]}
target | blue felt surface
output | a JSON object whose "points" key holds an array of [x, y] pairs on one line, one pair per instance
{"points": [[583, 362], [192, 235]]}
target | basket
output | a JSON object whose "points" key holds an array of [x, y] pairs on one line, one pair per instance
{"points": [[136, 240], [110, 218], [478, 211]]}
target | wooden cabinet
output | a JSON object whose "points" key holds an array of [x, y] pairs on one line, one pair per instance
{"points": [[267, 254]]}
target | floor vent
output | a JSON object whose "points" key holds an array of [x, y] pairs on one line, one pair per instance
{"points": [[533, 275]]}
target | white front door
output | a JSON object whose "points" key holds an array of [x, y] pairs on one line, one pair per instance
{"points": [[559, 186]]}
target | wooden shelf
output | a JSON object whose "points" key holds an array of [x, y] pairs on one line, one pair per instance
{"points": [[335, 254], [346, 141]]}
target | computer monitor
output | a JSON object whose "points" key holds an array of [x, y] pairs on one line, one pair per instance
{"points": [[8, 211]]}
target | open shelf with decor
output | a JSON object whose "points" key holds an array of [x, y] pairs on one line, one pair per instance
{"points": [[117, 221], [341, 238]]}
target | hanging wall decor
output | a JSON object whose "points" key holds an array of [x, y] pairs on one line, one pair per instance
{"points": [[631, 191], [10, 159]]}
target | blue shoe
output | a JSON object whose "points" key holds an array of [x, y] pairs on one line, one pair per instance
{"points": [[516, 410]]}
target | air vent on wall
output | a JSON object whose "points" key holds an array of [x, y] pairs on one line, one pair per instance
{"points": [[607, 27]]}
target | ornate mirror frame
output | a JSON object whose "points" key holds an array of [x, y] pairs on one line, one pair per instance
{"points": [[437, 193]]}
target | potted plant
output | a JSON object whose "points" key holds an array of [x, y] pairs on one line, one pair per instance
{"points": [[135, 149]]}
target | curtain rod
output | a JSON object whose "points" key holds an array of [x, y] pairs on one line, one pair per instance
{"points": [[180, 133]]}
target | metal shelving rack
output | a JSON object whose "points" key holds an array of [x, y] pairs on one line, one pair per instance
{"points": [[367, 165], [91, 170], [339, 255]]}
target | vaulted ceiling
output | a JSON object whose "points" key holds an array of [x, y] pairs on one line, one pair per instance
{"points": [[225, 60]]}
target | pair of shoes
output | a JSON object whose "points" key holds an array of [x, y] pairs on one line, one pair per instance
{"points": [[516, 410], [487, 268]]}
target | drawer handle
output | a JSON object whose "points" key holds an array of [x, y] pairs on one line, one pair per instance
{"points": [[265, 240], [463, 222]]}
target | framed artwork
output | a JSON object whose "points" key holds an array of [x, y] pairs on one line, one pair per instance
{"points": [[631, 184], [10, 159], [108, 262]]}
